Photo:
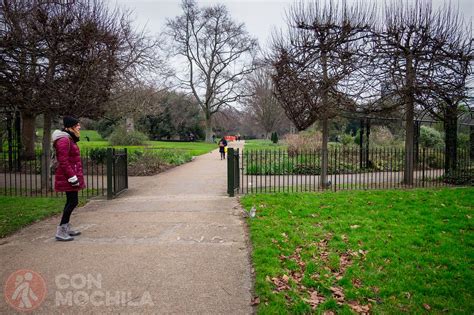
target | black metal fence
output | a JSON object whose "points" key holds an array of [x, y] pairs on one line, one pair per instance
{"points": [[19, 177], [262, 171], [117, 179]]}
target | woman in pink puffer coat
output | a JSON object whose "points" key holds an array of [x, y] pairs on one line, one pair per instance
{"points": [[69, 176]]}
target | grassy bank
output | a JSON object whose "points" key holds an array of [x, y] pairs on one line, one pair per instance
{"points": [[18, 212], [383, 251]]}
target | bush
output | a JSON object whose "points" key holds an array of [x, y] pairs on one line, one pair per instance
{"points": [[121, 137], [98, 155], [303, 141], [430, 138], [274, 137], [463, 141], [347, 139], [460, 178], [150, 162], [381, 136], [105, 127]]}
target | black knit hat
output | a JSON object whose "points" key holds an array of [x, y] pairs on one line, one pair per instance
{"points": [[70, 121]]}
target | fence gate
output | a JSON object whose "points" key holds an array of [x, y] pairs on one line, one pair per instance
{"points": [[117, 176], [233, 175]]}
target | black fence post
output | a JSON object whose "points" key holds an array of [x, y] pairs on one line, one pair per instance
{"points": [[126, 167], [110, 194], [230, 172]]}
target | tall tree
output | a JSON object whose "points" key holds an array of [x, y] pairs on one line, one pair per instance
{"points": [[316, 61], [413, 51], [263, 104], [218, 54]]}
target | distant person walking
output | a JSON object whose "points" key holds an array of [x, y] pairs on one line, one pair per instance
{"points": [[222, 148], [69, 175]]}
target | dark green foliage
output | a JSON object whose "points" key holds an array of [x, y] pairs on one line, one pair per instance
{"points": [[430, 137], [98, 155], [465, 178], [179, 117], [121, 137], [105, 127], [274, 137]]}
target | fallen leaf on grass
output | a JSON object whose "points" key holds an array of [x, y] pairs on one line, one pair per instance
{"points": [[329, 313], [357, 283], [315, 299], [355, 226], [427, 307], [255, 301], [338, 294], [280, 284], [360, 309]]}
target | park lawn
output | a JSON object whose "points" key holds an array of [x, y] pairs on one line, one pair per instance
{"points": [[263, 144], [395, 251], [193, 148], [18, 212]]}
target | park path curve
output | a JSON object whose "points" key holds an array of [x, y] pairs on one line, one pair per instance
{"points": [[174, 243]]}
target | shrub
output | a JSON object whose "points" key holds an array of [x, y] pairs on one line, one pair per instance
{"points": [[98, 155], [460, 178], [121, 137], [430, 137], [347, 139], [274, 137], [150, 162], [381, 136], [105, 127], [303, 141]]}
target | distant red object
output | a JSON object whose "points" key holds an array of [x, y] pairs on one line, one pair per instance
{"points": [[230, 138]]}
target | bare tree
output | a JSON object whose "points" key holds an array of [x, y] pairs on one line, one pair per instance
{"points": [[314, 65], [217, 52], [415, 45], [262, 104], [447, 88]]}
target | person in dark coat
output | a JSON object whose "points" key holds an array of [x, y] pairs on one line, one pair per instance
{"points": [[69, 176], [222, 147]]}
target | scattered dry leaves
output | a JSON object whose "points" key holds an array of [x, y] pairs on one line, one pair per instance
{"points": [[359, 309], [315, 299]]}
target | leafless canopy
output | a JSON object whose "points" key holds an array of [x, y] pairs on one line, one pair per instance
{"points": [[217, 52]]}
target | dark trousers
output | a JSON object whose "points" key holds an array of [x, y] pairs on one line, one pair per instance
{"points": [[72, 200], [222, 155]]}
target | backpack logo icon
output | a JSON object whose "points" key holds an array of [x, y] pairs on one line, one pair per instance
{"points": [[25, 290]]}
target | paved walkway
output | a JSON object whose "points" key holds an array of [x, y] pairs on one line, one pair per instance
{"points": [[173, 243]]}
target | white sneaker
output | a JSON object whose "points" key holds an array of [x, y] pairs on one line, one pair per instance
{"points": [[62, 234]]}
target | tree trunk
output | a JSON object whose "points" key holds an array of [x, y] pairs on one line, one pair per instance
{"points": [[28, 135], [208, 128], [46, 156], [451, 143], [324, 155], [409, 127]]}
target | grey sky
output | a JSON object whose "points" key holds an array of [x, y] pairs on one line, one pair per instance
{"points": [[259, 16]]}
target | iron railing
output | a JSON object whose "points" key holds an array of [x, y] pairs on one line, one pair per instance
{"points": [[20, 177], [263, 171], [117, 178]]}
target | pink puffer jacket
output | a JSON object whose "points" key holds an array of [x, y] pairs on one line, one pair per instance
{"points": [[69, 162]]}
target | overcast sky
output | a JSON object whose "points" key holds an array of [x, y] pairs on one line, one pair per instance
{"points": [[259, 16]]}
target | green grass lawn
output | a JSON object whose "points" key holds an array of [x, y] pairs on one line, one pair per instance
{"points": [[18, 212], [390, 252], [263, 144]]}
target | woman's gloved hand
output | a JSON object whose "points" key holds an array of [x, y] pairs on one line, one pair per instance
{"points": [[73, 181]]}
